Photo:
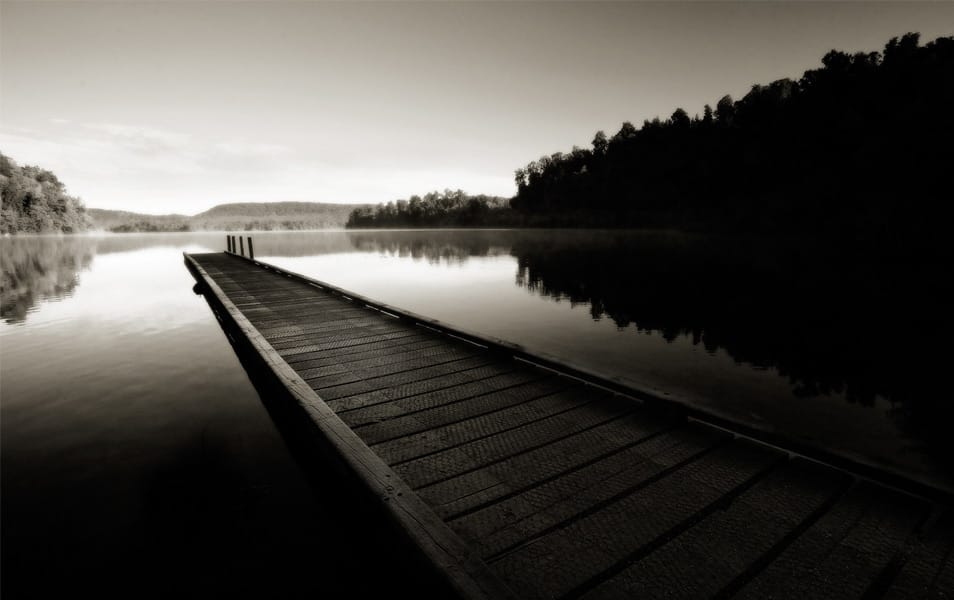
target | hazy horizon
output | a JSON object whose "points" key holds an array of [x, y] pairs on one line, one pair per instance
{"points": [[177, 107]]}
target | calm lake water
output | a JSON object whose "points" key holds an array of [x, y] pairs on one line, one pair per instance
{"points": [[128, 424]]}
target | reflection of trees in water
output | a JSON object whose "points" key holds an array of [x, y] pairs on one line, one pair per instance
{"points": [[832, 320], [453, 246], [36, 269]]}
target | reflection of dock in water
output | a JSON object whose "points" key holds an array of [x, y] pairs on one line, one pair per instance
{"points": [[518, 476]]}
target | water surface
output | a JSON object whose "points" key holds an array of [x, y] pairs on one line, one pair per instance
{"points": [[137, 458], [128, 421]]}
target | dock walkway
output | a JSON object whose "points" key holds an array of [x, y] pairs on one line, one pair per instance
{"points": [[517, 480]]}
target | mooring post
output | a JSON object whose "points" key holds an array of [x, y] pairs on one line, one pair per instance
{"points": [[251, 254], [241, 245], [228, 243]]}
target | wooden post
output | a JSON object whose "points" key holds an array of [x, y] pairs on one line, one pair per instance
{"points": [[228, 243], [251, 254], [241, 245]]}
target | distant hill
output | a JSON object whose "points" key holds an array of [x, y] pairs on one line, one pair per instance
{"points": [[122, 221], [274, 215], [239, 216]]}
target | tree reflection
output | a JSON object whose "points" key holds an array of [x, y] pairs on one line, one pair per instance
{"points": [[437, 246], [37, 269], [847, 319]]}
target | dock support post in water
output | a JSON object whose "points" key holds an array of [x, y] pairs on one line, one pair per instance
{"points": [[241, 245], [251, 254]]}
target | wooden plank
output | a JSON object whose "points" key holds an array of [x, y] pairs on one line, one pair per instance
{"points": [[845, 552], [708, 558], [461, 411], [445, 463], [424, 386], [928, 571], [600, 540], [546, 399], [308, 314], [366, 349], [488, 485], [338, 335], [504, 522], [386, 382], [440, 401], [422, 344], [356, 341], [464, 571], [278, 296], [324, 377], [286, 332], [256, 307]]}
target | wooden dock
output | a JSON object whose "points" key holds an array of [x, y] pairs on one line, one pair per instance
{"points": [[517, 477]]}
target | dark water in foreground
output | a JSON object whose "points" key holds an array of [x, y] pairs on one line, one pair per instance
{"points": [[134, 446]]}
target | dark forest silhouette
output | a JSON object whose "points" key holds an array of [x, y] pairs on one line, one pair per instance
{"points": [[860, 146]]}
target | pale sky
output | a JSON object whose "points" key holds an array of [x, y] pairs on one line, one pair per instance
{"points": [[165, 107]]}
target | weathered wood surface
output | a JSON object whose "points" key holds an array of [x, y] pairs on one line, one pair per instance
{"points": [[521, 481]]}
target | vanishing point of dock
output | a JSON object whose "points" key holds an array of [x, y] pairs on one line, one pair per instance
{"points": [[515, 476]]}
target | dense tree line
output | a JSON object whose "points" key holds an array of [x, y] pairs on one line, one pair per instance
{"points": [[149, 226], [450, 208], [861, 144], [35, 201]]}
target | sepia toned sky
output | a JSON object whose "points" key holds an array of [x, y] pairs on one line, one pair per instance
{"points": [[177, 106]]}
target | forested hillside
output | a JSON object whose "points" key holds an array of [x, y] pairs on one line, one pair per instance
{"points": [[121, 221], [273, 215], [35, 201]]}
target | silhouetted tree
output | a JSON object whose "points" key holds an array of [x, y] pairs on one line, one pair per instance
{"points": [[680, 119], [600, 143], [725, 110]]}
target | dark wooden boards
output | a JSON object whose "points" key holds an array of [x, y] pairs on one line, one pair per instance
{"points": [[525, 481]]}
